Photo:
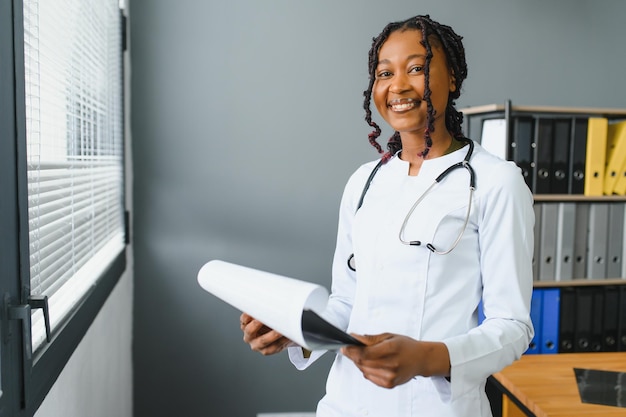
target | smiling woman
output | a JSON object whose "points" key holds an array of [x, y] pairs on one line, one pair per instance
{"points": [[431, 48], [414, 307]]}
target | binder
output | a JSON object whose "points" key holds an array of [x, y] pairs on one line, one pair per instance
{"points": [[567, 320], [597, 240], [537, 241], [494, 138], [596, 156], [536, 316], [597, 319], [566, 228], [544, 133], [522, 147], [550, 321], [621, 322], [581, 233], [559, 179], [616, 154], [547, 244], [578, 155], [620, 183], [610, 329], [615, 241], [583, 319]]}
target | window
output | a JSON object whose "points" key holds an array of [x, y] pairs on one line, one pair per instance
{"points": [[73, 89], [62, 218]]}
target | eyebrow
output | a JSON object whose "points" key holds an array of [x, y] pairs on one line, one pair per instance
{"points": [[410, 57]]}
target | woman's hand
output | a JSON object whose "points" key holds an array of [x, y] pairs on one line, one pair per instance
{"points": [[261, 338], [389, 359]]}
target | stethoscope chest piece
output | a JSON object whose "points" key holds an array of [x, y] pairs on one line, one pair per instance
{"points": [[351, 263]]}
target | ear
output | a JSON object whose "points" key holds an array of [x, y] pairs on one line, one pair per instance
{"points": [[452, 86]]}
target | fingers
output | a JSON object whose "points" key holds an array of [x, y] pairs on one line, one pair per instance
{"points": [[270, 343], [260, 337], [372, 348], [385, 360], [244, 319]]}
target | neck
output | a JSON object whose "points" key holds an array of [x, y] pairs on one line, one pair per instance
{"points": [[412, 150], [455, 145]]}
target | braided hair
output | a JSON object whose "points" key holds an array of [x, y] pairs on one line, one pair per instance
{"points": [[452, 46]]}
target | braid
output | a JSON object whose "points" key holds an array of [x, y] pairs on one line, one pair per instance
{"points": [[452, 46], [372, 64], [430, 111]]}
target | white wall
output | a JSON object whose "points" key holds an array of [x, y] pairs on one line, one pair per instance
{"points": [[97, 380]]}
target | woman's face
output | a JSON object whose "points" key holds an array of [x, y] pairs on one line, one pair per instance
{"points": [[398, 90]]}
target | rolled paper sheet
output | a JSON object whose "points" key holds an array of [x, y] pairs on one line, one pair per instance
{"points": [[277, 301]]}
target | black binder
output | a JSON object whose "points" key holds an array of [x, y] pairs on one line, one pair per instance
{"points": [[559, 180], [611, 315], [597, 319], [584, 319], [578, 156], [621, 341], [544, 134], [567, 320], [522, 146]]}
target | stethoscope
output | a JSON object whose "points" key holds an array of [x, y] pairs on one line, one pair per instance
{"points": [[472, 186]]}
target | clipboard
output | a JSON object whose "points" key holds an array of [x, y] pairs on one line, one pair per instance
{"points": [[290, 306]]}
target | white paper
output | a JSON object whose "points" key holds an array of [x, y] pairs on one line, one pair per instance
{"points": [[494, 137], [275, 300]]}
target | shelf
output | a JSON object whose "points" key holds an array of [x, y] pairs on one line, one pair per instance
{"points": [[540, 198], [493, 108], [579, 282]]}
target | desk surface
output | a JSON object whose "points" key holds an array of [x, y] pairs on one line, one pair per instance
{"points": [[546, 384]]}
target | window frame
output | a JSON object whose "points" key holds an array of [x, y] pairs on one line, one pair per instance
{"points": [[26, 381]]}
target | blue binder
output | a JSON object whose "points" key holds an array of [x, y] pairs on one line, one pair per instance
{"points": [[536, 307], [550, 321]]}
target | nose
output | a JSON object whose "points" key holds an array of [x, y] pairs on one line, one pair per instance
{"points": [[399, 83]]}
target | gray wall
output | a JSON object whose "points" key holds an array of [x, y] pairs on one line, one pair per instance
{"points": [[247, 120]]}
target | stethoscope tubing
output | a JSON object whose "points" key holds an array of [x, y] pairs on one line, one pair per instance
{"points": [[465, 163]]}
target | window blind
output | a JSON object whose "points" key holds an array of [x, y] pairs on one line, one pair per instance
{"points": [[74, 135]]}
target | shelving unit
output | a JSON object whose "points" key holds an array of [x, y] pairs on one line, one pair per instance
{"points": [[554, 332], [474, 120]]}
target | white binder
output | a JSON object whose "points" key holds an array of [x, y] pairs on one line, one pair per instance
{"points": [[566, 227], [615, 245], [537, 240], [547, 251], [580, 241], [597, 242]]}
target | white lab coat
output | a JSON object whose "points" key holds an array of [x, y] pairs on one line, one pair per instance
{"points": [[411, 291]]}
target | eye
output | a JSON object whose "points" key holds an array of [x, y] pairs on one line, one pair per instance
{"points": [[383, 74], [416, 69]]}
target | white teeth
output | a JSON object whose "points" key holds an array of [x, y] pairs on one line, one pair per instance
{"points": [[403, 106]]}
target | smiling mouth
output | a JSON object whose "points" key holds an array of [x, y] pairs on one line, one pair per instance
{"points": [[404, 104]]}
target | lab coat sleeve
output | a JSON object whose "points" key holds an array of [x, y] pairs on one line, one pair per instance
{"points": [[344, 280], [506, 221]]}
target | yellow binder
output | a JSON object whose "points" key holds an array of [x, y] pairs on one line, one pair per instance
{"points": [[595, 163], [620, 184], [616, 156]]}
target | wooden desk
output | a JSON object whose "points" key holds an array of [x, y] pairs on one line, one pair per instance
{"points": [[545, 385]]}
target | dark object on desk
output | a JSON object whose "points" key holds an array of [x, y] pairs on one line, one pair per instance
{"points": [[601, 387]]}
